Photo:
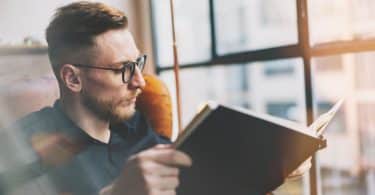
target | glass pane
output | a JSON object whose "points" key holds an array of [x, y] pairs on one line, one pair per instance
{"points": [[249, 86], [348, 163], [192, 31], [341, 20], [254, 24]]}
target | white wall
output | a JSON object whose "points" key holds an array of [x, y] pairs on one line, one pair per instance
{"points": [[21, 18]]}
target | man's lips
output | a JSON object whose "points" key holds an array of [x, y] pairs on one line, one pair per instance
{"points": [[133, 100], [129, 101]]}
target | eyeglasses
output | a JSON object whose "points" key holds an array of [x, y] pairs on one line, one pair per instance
{"points": [[127, 69]]}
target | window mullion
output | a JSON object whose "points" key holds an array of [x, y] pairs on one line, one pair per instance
{"points": [[304, 43], [213, 31]]}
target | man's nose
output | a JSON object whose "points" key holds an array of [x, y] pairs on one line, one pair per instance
{"points": [[137, 81]]}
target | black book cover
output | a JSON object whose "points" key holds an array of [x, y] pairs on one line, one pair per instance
{"points": [[241, 153]]}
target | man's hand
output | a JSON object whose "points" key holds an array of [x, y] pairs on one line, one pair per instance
{"points": [[151, 172]]}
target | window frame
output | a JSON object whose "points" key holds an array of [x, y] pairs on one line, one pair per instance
{"points": [[302, 49]]}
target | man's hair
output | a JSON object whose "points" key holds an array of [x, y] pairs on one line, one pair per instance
{"points": [[72, 31]]}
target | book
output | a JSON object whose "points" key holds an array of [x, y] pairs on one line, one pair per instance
{"points": [[237, 151]]}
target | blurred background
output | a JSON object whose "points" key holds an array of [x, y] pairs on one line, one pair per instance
{"points": [[292, 59]]}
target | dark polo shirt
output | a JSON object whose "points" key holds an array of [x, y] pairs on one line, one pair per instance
{"points": [[91, 168]]}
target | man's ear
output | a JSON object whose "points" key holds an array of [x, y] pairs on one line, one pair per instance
{"points": [[71, 78]]}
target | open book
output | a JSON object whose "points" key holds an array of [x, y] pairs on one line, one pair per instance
{"points": [[238, 151]]}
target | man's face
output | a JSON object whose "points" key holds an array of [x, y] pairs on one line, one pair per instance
{"points": [[103, 91]]}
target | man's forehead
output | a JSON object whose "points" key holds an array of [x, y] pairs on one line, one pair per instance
{"points": [[116, 46]]}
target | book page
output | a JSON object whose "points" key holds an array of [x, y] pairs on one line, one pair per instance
{"points": [[320, 124], [198, 118]]}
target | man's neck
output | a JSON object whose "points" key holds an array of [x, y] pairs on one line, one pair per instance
{"points": [[86, 120]]}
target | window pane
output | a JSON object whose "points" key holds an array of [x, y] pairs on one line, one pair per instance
{"points": [[192, 31], [254, 24], [364, 72], [341, 20], [249, 86], [348, 163], [366, 113]]}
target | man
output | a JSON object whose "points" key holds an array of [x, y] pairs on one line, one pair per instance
{"points": [[92, 141]]}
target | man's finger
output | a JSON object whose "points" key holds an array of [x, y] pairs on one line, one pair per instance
{"points": [[162, 183], [162, 192], [163, 146], [167, 156], [173, 158], [155, 168]]}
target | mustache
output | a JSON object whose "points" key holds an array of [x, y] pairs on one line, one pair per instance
{"points": [[135, 94]]}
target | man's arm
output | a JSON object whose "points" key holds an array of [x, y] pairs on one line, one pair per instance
{"points": [[153, 171]]}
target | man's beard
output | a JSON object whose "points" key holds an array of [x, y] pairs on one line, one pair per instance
{"points": [[108, 110]]}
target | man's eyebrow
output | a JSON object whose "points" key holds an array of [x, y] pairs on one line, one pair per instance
{"points": [[120, 63]]}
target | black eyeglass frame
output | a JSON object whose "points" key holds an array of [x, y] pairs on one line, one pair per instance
{"points": [[124, 67]]}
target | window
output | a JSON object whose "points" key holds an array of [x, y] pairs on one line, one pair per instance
{"points": [[278, 69], [337, 20], [282, 109], [330, 63], [367, 134], [268, 55], [240, 85], [338, 123], [252, 24], [364, 71], [201, 84], [194, 42], [342, 162]]}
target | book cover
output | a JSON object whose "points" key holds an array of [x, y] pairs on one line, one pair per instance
{"points": [[237, 151]]}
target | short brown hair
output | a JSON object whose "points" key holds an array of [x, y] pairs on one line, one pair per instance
{"points": [[72, 31]]}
